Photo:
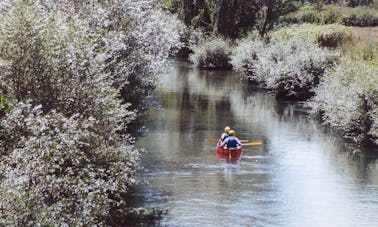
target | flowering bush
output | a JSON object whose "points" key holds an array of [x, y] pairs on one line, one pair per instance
{"points": [[62, 170], [132, 38], [48, 62], [244, 57], [66, 153], [147, 35], [347, 99], [212, 54], [292, 69]]}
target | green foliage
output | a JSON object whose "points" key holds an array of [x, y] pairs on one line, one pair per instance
{"points": [[169, 3], [4, 105]]}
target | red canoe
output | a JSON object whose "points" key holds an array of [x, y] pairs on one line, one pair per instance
{"points": [[228, 153]]}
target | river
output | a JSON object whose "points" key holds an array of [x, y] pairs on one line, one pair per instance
{"points": [[303, 175]]}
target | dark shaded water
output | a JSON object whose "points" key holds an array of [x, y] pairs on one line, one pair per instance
{"points": [[301, 176]]}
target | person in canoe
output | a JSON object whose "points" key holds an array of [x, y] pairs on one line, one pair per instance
{"points": [[231, 142], [225, 134]]}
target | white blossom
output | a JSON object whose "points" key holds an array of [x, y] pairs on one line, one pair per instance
{"points": [[70, 71]]}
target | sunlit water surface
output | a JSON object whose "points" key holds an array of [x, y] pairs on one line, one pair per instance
{"points": [[301, 176]]}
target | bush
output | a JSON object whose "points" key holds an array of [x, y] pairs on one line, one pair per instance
{"points": [[48, 62], [152, 38], [64, 159], [66, 155], [347, 100], [212, 54], [244, 57], [292, 69], [132, 41], [62, 170]]}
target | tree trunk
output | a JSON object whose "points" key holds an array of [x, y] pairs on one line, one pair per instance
{"points": [[266, 20], [225, 17]]}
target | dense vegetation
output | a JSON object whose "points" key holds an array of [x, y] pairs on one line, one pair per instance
{"points": [[73, 77]]}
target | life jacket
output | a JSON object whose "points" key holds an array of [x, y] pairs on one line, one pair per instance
{"points": [[232, 142]]}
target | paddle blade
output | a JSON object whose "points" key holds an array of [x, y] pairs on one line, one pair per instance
{"points": [[213, 140], [254, 143]]}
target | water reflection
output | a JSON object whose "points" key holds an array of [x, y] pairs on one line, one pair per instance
{"points": [[302, 176]]}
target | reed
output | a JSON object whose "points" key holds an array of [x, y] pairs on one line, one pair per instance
{"points": [[362, 45]]}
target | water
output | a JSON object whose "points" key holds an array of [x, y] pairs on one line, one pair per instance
{"points": [[302, 175]]}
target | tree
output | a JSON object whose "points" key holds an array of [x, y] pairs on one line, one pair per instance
{"points": [[270, 11], [234, 17]]}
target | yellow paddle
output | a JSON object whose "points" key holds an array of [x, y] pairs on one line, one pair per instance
{"points": [[254, 143]]}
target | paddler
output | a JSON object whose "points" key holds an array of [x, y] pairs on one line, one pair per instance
{"points": [[225, 134], [231, 142]]}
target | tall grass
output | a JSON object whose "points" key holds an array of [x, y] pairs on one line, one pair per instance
{"points": [[332, 35], [362, 45], [333, 13]]}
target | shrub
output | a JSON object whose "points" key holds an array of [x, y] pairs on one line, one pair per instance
{"points": [[244, 57], [64, 140], [132, 40], [292, 69], [48, 62], [212, 54], [347, 100], [152, 38], [62, 170]]}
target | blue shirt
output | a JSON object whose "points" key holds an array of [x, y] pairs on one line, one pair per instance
{"points": [[231, 142]]}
